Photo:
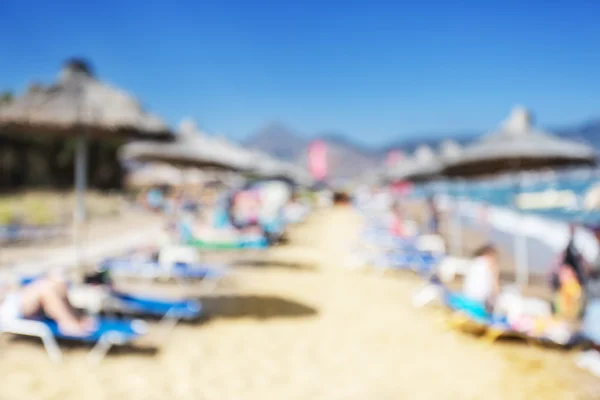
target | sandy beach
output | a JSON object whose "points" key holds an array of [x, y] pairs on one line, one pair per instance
{"points": [[293, 323]]}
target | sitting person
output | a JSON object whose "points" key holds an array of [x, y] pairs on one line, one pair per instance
{"points": [[572, 258], [47, 296], [481, 283], [568, 302]]}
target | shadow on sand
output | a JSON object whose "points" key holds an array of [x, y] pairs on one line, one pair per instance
{"points": [[255, 263], [69, 345], [254, 306]]}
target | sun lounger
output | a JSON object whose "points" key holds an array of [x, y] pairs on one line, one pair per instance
{"points": [[171, 311], [107, 334], [177, 309], [16, 232], [150, 269], [467, 312], [421, 262]]}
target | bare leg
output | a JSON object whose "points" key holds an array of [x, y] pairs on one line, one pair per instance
{"points": [[50, 296]]}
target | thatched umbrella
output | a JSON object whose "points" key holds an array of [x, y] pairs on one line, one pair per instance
{"points": [[153, 175], [450, 151], [191, 148], [518, 146], [79, 105], [423, 165]]}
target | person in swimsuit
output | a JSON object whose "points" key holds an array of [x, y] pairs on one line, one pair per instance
{"points": [[570, 258], [47, 296]]}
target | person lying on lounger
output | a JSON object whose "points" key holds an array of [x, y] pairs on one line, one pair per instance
{"points": [[47, 296], [482, 281]]}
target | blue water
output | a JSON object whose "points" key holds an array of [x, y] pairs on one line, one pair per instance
{"points": [[502, 194]]}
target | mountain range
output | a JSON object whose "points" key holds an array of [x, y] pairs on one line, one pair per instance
{"points": [[348, 158]]}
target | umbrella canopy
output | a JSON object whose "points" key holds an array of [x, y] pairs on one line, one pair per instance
{"points": [[517, 145], [424, 164], [450, 150], [154, 175], [191, 148], [78, 102], [267, 166]]}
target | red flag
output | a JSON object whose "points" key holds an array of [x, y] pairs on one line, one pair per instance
{"points": [[317, 160]]}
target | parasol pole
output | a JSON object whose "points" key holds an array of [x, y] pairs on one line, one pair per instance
{"points": [[456, 229], [520, 242], [81, 163], [81, 157]]}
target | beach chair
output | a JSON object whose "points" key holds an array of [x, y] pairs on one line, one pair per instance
{"points": [[121, 302], [108, 333], [170, 311], [151, 269], [445, 271], [469, 313], [421, 262]]}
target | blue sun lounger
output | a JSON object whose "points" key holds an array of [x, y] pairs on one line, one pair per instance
{"points": [[152, 269], [467, 311], [109, 333], [171, 311], [181, 309], [421, 262]]}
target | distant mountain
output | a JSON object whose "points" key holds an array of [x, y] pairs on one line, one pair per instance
{"points": [[279, 141], [348, 158]]}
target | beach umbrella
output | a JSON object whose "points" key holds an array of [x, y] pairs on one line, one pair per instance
{"points": [[516, 146], [80, 105], [191, 148], [155, 174], [450, 151], [423, 165]]}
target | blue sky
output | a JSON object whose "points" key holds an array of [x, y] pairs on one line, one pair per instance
{"points": [[374, 70]]}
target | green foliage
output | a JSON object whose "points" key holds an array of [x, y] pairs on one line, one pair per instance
{"points": [[42, 162]]}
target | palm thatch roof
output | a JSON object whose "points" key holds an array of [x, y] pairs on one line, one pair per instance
{"points": [[191, 148], [424, 164], [518, 145], [77, 102], [267, 166]]}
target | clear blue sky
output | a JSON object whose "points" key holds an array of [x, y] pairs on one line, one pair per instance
{"points": [[374, 70]]}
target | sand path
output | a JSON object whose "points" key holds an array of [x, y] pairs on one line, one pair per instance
{"points": [[302, 327]]}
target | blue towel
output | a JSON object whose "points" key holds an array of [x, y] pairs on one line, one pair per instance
{"points": [[124, 328]]}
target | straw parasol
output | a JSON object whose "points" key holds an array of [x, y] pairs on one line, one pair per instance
{"points": [[518, 145], [79, 105], [267, 166], [153, 175], [423, 165], [192, 148], [78, 102], [450, 150]]}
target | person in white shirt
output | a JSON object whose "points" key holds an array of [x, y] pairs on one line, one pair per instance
{"points": [[482, 280]]}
